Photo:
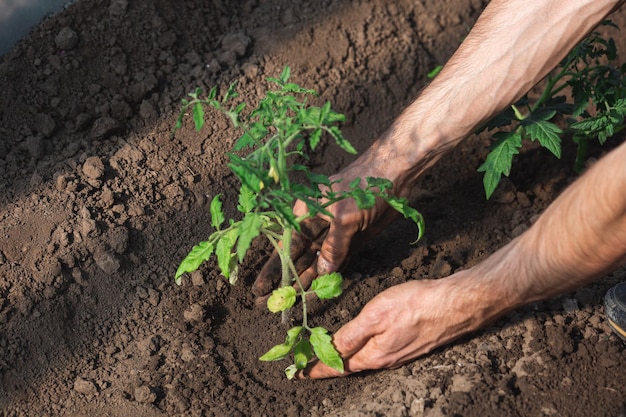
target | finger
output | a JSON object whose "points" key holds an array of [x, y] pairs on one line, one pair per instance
{"points": [[319, 370], [334, 249], [269, 276]]}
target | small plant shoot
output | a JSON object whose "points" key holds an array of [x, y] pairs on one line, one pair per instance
{"points": [[596, 109], [276, 135]]}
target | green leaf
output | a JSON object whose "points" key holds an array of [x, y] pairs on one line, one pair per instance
{"points": [[382, 184], [341, 141], [224, 249], [198, 115], [245, 172], [402, 206], [230, 93], [324, 348], [499, 160], [365, 199], [548, 135], [281, 351], [291, 371], [318, 179], [217, 215], [281, 299], [314, 138], [247, 199], [433, 73], [248, 230], [286, 74], [327, 286], [302, 353], [199, 253], [355, 183], [285, 212]]}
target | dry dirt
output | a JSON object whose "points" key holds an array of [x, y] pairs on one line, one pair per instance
{"points": [[98, 205]]}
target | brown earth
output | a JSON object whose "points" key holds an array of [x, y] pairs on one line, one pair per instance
{"points": [[98, 205]]}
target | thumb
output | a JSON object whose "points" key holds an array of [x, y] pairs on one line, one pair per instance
{"points": [[334, 249]]}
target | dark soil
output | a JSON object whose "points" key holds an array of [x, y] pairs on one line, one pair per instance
{"points": [[98, 205]]}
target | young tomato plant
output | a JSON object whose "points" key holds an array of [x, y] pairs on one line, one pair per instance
{"points": [[277, 134], [597, 109]]}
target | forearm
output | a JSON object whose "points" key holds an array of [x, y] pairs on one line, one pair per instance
{"points": [[507, 52], [579, 238]]}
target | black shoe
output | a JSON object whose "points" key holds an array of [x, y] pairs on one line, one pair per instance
{"points": [[615, 309]]}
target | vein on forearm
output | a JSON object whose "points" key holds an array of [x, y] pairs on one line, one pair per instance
{"points": [[509, 50]]}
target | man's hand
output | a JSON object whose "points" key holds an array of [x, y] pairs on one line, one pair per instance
{"points": [[325, 243], [400, 324]]}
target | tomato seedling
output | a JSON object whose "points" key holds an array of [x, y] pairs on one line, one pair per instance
{"points": [[280, 131], [597, 109]]}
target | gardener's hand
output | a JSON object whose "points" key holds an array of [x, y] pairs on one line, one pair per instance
{"points": [[398, 325], [325, 243]]}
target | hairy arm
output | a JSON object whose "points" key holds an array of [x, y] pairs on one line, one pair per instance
{"points": [[578, 239], [513, 45]]}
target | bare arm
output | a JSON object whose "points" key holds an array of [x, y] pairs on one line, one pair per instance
{"points": [[513, 45]]}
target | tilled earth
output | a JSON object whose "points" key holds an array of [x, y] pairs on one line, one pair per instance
{"points": [[98, 204]]}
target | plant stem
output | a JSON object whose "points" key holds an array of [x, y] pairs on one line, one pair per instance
{"points": [[285, 253]]}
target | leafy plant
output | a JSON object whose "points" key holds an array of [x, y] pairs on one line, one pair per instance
{"points": [[596, 109], [277, 135]]}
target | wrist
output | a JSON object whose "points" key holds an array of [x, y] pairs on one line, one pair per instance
{"points": [[403, 153], [494, 287]]}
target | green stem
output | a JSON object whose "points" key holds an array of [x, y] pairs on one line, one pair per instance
{"points": [[285, 253]]}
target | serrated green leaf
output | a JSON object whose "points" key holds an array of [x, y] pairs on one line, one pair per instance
{"points": [[230, 93], [302, 353], [217, 215], [244, 141], [333, 117], [286, 74], [341, 141], [382, 184], [318, 179], [248, 229], [548, 135], [282, 350], [247, 199], [499, 160], [314, 138], [281, 299], [587, 126], [199, 253], [327, 286], [198, 115], [325, 350], [224, 252], [365, 199]]}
